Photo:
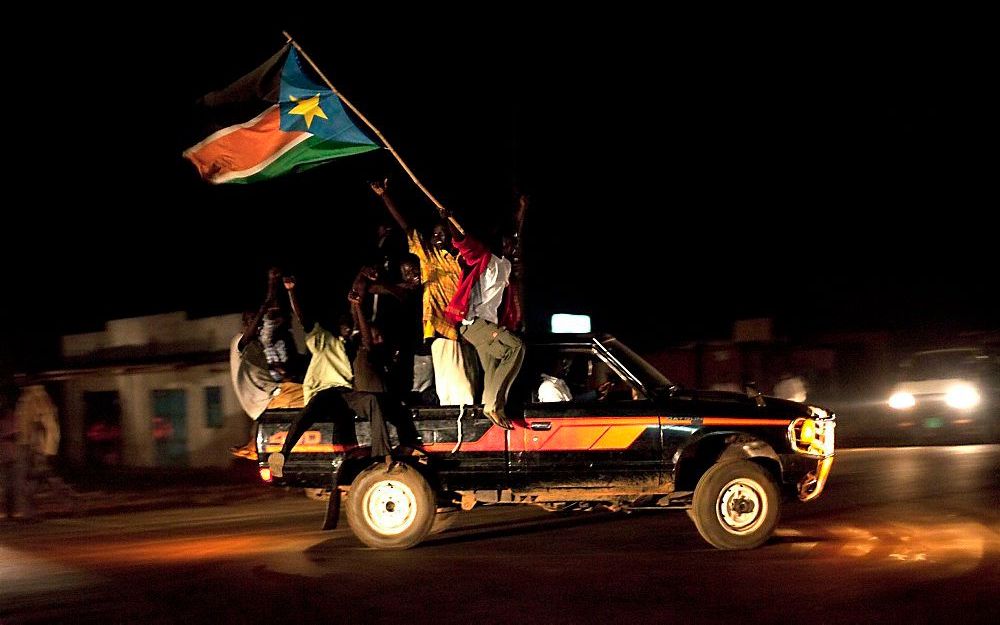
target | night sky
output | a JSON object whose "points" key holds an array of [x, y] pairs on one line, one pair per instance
{"points": [[680, 177]]}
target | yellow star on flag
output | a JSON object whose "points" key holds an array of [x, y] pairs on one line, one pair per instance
{"points": [[307, 108]]}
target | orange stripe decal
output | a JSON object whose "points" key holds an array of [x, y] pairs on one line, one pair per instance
{"points": [[619, 437], [327, 448], [608, 421], [573, 437], [749, 422], [605, 433]]}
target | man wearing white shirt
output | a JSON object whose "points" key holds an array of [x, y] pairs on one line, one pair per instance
{"points": [[553, 389]]}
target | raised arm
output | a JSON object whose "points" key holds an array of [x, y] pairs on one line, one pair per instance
{"points": [[250, 330], [354, 297], [395, 290], [522, 208], [293, 299], [457, 232], [273, 280], [381, 189]]}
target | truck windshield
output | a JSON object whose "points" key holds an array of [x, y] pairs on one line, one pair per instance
{"points": [[647, 374], [944, 364]]}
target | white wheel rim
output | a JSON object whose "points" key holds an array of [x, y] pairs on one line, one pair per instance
{"points": [[389, 507], [742, 506]]}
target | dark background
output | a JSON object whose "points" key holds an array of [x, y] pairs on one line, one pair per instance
{"points": [[682, 174]]}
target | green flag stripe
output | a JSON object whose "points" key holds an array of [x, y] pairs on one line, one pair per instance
{"points": [[306, 155]]}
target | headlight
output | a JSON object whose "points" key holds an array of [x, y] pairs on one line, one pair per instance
{"points": [[901, 400], [808, 433], [814, 438], [963, 396]]}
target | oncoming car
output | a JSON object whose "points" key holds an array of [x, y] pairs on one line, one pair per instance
{"points": [[948, 393], [730, 459]]}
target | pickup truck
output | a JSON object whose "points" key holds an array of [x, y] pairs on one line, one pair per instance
{"points": [[729, 459]]}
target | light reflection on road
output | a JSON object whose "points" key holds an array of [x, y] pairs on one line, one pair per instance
{"points": [[186, 550], [950, 548], [22, 574]]}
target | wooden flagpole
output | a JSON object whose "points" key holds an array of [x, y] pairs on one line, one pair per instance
{"points": [[384, 141]]}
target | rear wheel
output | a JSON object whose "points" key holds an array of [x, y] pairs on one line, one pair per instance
{"points": [[391, 509], [736, 505]]}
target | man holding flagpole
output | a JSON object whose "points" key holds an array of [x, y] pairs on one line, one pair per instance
{"points": [[474, 307]]}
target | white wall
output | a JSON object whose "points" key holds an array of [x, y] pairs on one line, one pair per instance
{"points": [[169, 333]]}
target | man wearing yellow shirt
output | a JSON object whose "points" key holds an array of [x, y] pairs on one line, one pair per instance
{"points": [[440, 273]]}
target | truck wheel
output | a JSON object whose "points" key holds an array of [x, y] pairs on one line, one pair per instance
{"points": [[390, 509], [736, 505]]}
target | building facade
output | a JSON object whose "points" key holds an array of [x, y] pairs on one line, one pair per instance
{"points": [[150, 391]]}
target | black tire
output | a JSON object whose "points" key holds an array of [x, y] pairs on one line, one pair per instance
{"points": [[736, 505], [391, 509]]}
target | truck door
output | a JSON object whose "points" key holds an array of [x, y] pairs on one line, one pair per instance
{"points": [[600, 434]]}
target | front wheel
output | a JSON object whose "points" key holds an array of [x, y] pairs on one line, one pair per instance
{"points": [[736, 505], [391, 509]]}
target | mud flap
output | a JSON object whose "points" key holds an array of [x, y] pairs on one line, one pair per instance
{"points": [[332, 507]]}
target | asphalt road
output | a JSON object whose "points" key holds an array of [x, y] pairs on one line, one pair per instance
{"points": [[902, 535]]}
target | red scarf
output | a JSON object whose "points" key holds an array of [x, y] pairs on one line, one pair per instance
{"points": [[477, 257]]}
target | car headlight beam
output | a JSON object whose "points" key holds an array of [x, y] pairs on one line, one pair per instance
{"points": [[963, 396], [902, 400]]}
